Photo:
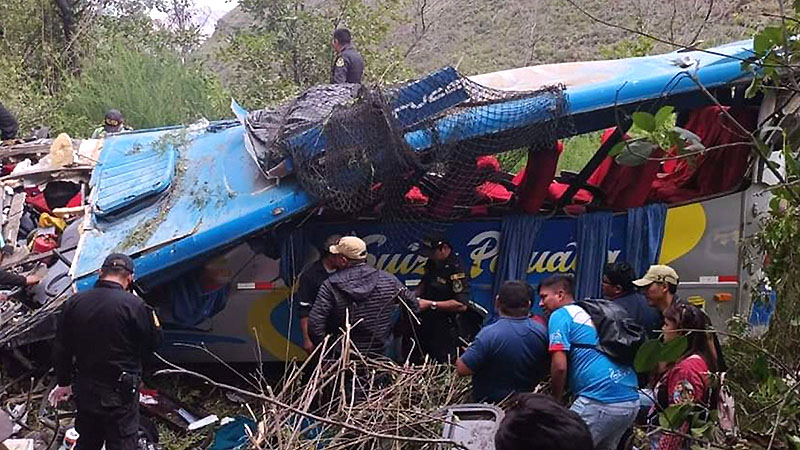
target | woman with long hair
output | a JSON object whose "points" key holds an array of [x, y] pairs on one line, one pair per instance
{"points": [[688, 380]]}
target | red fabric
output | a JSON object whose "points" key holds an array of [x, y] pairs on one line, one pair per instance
{"points": [[416, 197], [687, 382], [74, 201], [493, 192], [8, 168], [36, 199], [713, 172], [44, 243], [535, 179]]}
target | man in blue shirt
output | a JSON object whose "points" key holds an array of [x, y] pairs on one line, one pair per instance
{"points": [[509, 355], [618, 287], [605, 392]]}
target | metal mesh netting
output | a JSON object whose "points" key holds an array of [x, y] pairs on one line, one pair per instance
{"points": [[420, 154]]}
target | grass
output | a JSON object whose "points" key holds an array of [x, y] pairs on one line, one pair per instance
{"points": [[578, 150]]}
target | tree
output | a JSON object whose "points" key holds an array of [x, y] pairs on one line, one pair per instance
{"points": [[290, 47]]}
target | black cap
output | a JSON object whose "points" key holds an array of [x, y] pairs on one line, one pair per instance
{"points": [[118, 260], [430, 243], [329, 242], [113, 121]]}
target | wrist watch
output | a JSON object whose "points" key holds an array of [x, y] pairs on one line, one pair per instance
{"points": [[433, 306]]}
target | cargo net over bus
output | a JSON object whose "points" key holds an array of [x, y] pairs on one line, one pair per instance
{"points": [[419, 154]]}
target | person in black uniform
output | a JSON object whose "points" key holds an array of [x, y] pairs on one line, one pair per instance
{"points": [[348, 67], [308, 286], [445, 283], [108, 331], [8, 124]]}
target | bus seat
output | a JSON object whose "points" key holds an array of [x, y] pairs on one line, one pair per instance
{"points": [[715, 171], [622, 187]]}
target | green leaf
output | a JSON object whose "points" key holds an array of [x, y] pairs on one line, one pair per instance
{"points": [[663, 115], [644, 120], [617, 148], [699, 432], [635, 153], [760, 44], [795, 441], [647, 356], [673, 350], [754, 88], [774, 35], [674, 416], [687, 135]]}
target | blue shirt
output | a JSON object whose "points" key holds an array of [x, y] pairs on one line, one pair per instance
{"points": [[591, 374], [507, 356], [640, 312]]}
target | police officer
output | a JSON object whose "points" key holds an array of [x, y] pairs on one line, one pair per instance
{"points": [[108, 331], [445, 283], [348, 67], [113, 122]]}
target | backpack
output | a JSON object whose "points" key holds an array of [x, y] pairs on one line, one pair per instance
{"points": [[618, 335]]}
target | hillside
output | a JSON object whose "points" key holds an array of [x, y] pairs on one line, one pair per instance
{"points": [[479, 36]]}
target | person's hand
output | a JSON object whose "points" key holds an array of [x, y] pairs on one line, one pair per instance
{"points": [[424, 305], [59, 394], [308, 346], [30, 280]]}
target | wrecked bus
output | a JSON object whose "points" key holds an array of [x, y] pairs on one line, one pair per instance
{"points": [[222, 217]]}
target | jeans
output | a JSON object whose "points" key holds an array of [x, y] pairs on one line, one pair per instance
{"points": [[607, 422]]}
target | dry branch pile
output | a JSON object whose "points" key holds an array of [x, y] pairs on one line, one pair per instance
{"points": [[340, 398]]}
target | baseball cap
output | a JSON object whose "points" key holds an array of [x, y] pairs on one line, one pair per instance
{"points": [[118, 260], [350, 247], [658, 273], [430, 242], [329, 242], [113, 121]]}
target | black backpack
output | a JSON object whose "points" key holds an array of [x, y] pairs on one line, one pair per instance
{"points": [[619, 336]]}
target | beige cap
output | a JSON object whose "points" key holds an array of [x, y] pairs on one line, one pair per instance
{"points": [[350, 247], [659, 273]]}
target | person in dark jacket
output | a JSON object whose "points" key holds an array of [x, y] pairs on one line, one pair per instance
{"points": [[348, 66], [8, 124], [364, 294], [618, 286], [309, 283], [107, 332]]}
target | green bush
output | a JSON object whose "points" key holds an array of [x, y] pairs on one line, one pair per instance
{"points": [[151, 88]]}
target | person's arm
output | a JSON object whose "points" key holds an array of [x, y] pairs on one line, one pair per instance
{"points": [[320, 312], [11, 279], [474, 357], [462, 369], [63, 347], [149, 326], [305, 300], [559, 346], [558, 374]]}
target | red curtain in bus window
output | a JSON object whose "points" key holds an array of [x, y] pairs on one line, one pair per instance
{"points": [[717, 170], [535, 179]]}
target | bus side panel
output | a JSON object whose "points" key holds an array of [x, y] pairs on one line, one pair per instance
{"points": [[701, 242]]}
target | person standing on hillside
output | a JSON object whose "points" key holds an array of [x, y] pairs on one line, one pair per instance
{"points": [[113, 122], [348, 66], [8, 124]]}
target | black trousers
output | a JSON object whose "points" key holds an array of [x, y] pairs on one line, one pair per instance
{"points": [[105, 417]]}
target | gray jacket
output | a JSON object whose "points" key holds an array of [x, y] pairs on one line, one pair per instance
{"points": [[348, 67], [370, 295]]}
